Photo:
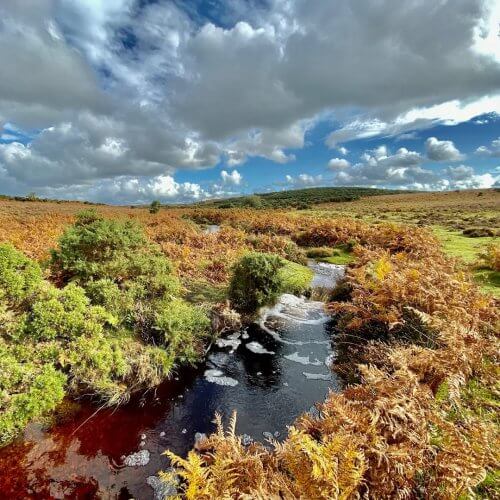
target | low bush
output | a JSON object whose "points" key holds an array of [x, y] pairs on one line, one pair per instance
{"points": [[478, 232], [490, 258], [319, 252], [256, 281]]}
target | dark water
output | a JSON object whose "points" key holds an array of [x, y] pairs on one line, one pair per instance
{"points": [[273, 372]]}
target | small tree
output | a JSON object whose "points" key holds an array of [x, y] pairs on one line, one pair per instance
{"points": [[155, 206]]}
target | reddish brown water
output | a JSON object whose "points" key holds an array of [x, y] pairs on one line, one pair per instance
{"points": [[83, 458]]}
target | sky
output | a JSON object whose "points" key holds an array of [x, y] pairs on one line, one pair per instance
{"points": [[126, 101]]}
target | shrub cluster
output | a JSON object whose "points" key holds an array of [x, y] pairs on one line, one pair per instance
{"points": [[112, 326], [259, 278]]}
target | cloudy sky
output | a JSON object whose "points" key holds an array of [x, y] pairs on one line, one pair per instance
{"points": [[125, 101]]}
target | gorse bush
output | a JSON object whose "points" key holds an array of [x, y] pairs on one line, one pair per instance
{"points": [[90, 336], [256, 281], [124, 273]]}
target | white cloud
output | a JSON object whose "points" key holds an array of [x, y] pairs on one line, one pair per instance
{"points": [[492, 150], [136, 90], [417, 118], [233, 178], [304, 180], [338, 164], [342, 150], [442, 150]]}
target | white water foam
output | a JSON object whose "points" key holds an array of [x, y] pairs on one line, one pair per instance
{"points": [[257, 348], [303, 360]]}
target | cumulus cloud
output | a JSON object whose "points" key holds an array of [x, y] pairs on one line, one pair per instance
{"points": [[342, 150], [338, 164], [492, 150], [233, 178], [442, 150], [403, 169], [304, 180], [139, 90]]}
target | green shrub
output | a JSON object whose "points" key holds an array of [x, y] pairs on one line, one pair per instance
{"points": [[181, 328], [96, 248], [155, 206], [20, 277], [27, 391], [65, 314], [112, 368], [255, 281], [319, 252]]}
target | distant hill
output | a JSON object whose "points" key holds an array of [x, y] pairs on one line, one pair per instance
{"points": [[298, 198]]}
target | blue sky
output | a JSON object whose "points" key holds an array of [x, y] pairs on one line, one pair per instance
{"points": [[125, 101]]}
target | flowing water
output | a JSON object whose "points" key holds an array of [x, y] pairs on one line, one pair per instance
{"points": [[270, 373]]}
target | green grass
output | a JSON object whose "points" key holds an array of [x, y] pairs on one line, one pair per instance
{"points": [[203, 292], [296, 278], [468, 249], [457, 245], [340, 255]]}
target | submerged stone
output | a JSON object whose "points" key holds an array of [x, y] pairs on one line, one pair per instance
{"points": [[138, 459], [161, 488]]}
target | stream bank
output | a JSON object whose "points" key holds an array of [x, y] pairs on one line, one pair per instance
{"points": [[270, 373]]}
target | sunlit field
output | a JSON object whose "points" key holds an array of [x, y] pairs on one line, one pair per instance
{"points": [[415, 337]]}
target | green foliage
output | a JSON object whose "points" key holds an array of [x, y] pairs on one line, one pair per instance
{"points": [[301, 199], [112, 368], [155, 206], [295, 278], [27, 390], [181, 327], [96, 248], [65, 314], [256, 281], [88, 337], [20, 277]]}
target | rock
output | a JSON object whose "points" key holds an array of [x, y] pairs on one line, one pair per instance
{"points": [[245, 336], [143, 437], [162, 489], [162, 434], [268, 435], [184, 431], [277, 434], [138, 459]]}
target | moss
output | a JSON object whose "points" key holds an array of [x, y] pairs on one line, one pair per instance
{"points": [[295, 278]]}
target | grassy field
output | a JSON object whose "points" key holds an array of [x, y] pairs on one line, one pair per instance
{"points": [[448, 214]]}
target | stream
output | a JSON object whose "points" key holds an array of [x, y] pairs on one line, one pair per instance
{"points": [[269, 372]]}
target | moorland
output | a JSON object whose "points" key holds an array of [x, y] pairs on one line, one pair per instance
{"points": [[101, 302]]}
